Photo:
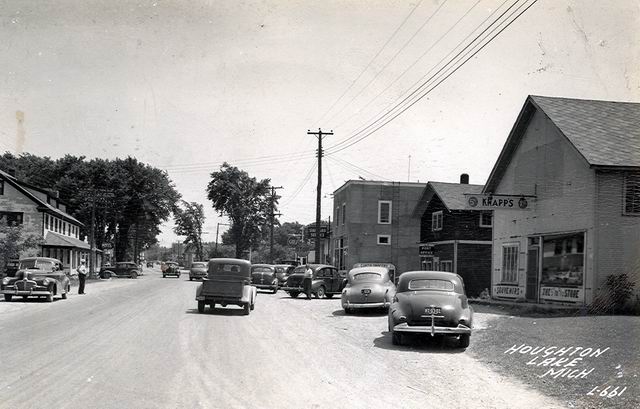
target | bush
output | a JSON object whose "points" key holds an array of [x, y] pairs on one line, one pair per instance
{"points": [[617, 293]]}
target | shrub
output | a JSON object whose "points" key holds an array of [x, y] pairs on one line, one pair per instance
{"points": [[615, 296]]}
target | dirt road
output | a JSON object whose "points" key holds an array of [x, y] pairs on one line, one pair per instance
{"points": [[141, 343]]}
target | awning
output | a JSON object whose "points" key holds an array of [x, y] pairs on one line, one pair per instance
{"points": [[58, 240]]}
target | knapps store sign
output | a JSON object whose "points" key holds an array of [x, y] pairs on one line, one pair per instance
{"points": [[496, 202]]}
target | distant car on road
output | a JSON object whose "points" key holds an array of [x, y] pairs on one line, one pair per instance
{"points": [[430, 302], [326, 281], [263, 277], [228, 281], [150, 264], [120, 269], [368, 287], [198, 270], [283, 271], [37, 277], [171, 269]]}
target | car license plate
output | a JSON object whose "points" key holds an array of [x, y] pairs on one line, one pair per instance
{"points": [[366, 291], [432, 310]]}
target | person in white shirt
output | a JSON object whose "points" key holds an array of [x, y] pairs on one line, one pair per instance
{"points": [[306, 283], [82, 276]]}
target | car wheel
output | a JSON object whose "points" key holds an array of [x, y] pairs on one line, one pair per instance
{"points": [[327, 295], [294, 294], [464, 340], [106, 275], [253, 305], [134, 275], [200, 307], [49, 297], [190, 278], [396, 338], [275, 290], [164, 276], [320, 293], [348, 310], [247, 309], [64, 295], [8, 297]]}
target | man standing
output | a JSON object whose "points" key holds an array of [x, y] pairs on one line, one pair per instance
{"points": [[82, 276], [306, 283]]}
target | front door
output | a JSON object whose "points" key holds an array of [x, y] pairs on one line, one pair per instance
{"points": [[532, 273]]}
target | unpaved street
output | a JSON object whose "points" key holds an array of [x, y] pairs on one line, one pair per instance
{"points": [[142, 344]]}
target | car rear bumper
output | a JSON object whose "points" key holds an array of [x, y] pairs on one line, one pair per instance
{"points": [[265, 286], [350, 305], [298, 289], [433, 330]]}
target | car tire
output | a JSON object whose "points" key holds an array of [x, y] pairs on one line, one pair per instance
{"points": [[253, 305], [64, 295], [247, 309], [201, 306], [164, 276], [8, 297], [275, 290], [106, 275], [321, 292], [327, 295], [294, 294], [190, 278], [396, 338], [348, 311], [133, 275], [464, 341], [49, 297]]}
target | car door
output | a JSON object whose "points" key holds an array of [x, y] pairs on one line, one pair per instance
{"points": [[331, 279]]}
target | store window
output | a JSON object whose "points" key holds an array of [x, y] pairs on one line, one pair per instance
{"points": [[436, 221], [563, 260], [446, 265], [632, 193], [486, 220], [384, 211], [340, 253], [384, 239], [510, 264]]}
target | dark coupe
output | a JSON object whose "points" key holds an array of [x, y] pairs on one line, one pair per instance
{"points": [[430, 302], [121, 269], [368, 287], [198, 270], [37, 277], [326, 281], [263, 277], [227, 282]]}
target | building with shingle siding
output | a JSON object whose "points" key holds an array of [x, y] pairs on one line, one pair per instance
{"points": [[453, 237], [579, 160], [43, 214]]}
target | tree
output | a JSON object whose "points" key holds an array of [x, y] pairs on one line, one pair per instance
{"points": [[245, 200], [14, 243], [189, 222]]}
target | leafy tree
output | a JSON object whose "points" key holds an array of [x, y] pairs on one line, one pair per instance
{"points": [[245, 200], [14, 243], [189, 222]]}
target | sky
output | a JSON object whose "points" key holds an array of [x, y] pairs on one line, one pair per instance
{"points": [[187, 85]]}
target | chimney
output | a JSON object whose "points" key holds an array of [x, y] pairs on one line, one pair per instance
{"points": [[464, 179]]}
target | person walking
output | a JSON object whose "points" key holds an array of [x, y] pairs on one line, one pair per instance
{"points": [[82, 276], [306, 283]]}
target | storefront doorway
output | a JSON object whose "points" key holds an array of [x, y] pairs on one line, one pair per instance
{"points": [[533, 266]]}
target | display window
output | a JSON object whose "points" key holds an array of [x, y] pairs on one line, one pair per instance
{"points": [[563, 260]]}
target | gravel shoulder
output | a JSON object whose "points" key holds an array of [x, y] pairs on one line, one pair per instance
{"points": [[607, 348]]}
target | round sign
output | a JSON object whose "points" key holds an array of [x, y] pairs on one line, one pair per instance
{"points": [[292, 241], [473, 201]]}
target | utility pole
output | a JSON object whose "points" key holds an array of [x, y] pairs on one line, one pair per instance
{"points": [[319, 135], [273, 205]]}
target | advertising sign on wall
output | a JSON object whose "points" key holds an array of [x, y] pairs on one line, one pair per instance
{"points": [[565, 294], [508, 291], [493, 202]]}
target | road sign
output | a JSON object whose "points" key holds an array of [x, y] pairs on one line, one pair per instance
{"points": [[292, 241]]}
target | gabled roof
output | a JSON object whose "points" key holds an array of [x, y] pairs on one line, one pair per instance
{"points": [[604, 133], [44, 206], [451, 195]]}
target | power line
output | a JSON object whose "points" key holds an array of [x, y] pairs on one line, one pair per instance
{"points": [[371, 61], [473, 53], [358, 168], [391, 60]]}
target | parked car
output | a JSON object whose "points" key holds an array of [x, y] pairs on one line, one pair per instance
{"points": [[326, 281], [37, 277], [228, 281], [198, 270], [120, 269], [368, 287], [171, 269], [431, 302], [263, 277], [283, 271], [150, 264]]}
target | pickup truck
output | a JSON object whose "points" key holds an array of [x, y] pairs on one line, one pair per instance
{"points": [[228, 282]]}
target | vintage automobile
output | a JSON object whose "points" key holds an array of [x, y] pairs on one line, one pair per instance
{"points": [[170, 268], [263, 277], [120, 269], [149, 264], [198, 270], [283, 271], [228, 281], [368, 287], [37, 277], [326, 281], [430, 302]]}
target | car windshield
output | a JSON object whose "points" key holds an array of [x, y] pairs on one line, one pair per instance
{"points": [[198, 265], [222, 268], [431, 284], [367, 277], [36, 264], [261, 269]]}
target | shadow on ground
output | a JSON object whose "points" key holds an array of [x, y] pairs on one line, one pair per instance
{"points": [[422, 343], [228, 312]]}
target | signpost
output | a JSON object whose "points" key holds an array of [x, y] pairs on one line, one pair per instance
{"points": [[498, 202], [292, 241], [426, 250]]}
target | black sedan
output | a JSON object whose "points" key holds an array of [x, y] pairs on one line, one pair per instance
{"points": [[430, 302]]}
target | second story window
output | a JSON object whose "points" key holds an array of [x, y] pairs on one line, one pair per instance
{"points": [[632, 193], [384, 212], [344, 213], [337, 215], [436, 221]]}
